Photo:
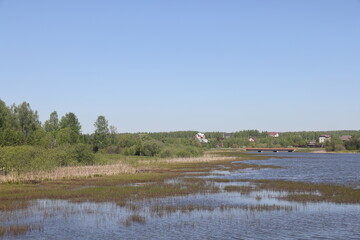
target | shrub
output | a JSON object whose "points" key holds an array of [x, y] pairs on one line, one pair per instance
{"points": [[151, 147], [83, 154], [166, 153], [22, 159], [112, 149]]}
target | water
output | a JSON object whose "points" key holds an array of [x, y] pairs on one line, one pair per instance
{"points": [[224, 215], [339, 169]]}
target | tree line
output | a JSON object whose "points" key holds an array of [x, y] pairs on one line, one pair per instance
{"points": [[20, 125], [28, 145]]}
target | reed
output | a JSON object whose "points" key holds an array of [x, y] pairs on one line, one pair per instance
{"points": [[69, 172], [244, 190], [15, 230], [134, 219], [311, 192]]}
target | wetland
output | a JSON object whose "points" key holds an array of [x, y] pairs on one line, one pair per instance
{"points": [[225, 195]]}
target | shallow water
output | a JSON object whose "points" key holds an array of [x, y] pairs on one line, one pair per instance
{"points": [[224, 215]]}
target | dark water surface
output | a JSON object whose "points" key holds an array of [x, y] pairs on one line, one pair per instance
{"points": [[224, 215]]}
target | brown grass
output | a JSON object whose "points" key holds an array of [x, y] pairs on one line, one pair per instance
{"points": [[241, 189], [15, 230], [101, 170], [70, 172], [134, 219]]}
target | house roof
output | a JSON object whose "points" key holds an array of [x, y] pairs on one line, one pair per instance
{"points": [[325, 136], [273, 133], [346, 137]]}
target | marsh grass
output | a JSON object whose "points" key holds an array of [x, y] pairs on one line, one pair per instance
{"points": [[311, 192], [134, 219], [165, 210], [15, 230], [114, 164], [266, 208], [69, 172], [244, 190]]}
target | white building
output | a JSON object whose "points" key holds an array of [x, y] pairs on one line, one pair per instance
{"points": [[201, 137], [324, 138]]}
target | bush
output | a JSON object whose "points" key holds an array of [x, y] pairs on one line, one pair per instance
{"points": [[151, 147], [166, 153], [112, 150], [83, 154], [22, 159]]}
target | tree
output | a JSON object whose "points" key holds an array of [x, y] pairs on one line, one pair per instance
{"points": [[5, 116], [66, 135], [70, 121], [113, 134], [52, 125], [102, 133], [9, 129], [26, 118]]}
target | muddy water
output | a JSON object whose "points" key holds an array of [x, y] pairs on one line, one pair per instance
{"points": [[224, 215]]}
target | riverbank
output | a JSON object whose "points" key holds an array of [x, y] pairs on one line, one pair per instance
{"points": [[322, 150]]}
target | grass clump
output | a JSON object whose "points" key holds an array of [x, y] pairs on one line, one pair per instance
{"points": [[312, 192], [241, 189], [134, 219]]}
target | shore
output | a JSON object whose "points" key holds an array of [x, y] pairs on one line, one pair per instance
{"points": [[324, 151]]}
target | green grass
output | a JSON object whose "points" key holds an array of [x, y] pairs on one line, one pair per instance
{"points": [[312, 192]]}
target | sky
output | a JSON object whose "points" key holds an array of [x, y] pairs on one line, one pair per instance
{"points": [[204, 65]]}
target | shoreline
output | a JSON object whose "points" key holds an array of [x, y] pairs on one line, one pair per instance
{"points": [[325, 152]]}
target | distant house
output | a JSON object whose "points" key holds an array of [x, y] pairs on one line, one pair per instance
{"points": [[346, 138], [324, 138], [201, 137], [274, 134], [252, 139]]}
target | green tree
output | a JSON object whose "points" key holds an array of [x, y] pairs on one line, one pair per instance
{"points": [[52, 125], [5, 116], [66, 135], [9, 129], [70, 121], [102, 133], [26, 118], [113, 134]]}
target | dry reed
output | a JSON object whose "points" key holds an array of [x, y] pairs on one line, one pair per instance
{"points": [[103, 170], [70, 172], [206, 158]]}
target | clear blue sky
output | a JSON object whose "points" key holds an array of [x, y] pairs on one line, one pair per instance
{"points": [[206, 65]]}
